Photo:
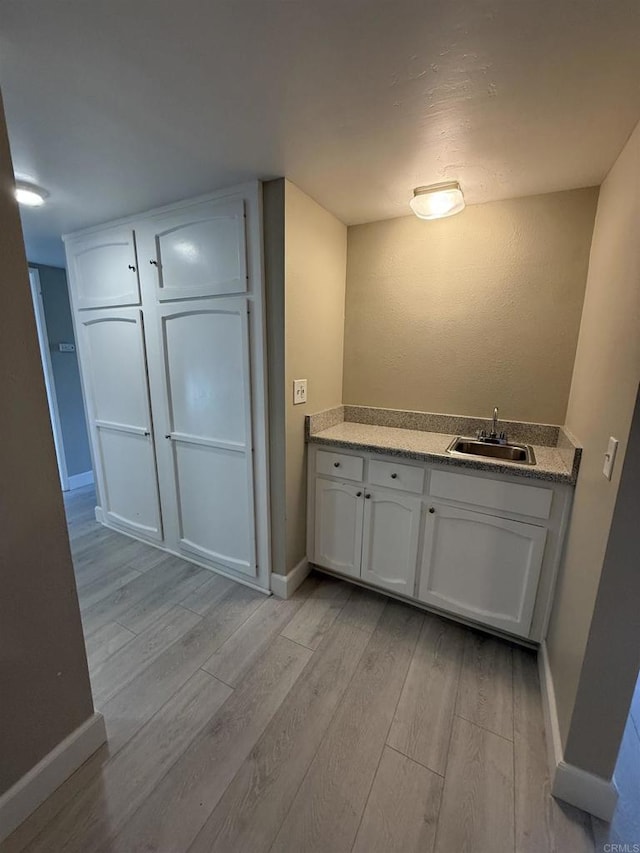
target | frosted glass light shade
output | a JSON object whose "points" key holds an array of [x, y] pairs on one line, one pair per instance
{"points": [[30, 195], [437, 201]]}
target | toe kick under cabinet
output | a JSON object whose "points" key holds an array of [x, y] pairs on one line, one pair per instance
{"points": [[168, 308], [482, 547]]}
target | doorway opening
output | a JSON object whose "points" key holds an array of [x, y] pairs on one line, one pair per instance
{"points": [[56, 340]]}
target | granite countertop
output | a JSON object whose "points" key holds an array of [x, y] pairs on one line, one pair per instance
{"points": [[551, 463]]}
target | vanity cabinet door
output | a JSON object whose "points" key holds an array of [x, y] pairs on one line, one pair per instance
{"points": [[390, 540], [338, 526], [483, 567]]}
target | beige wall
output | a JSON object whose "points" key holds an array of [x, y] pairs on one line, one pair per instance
{"points": [[273, 236], [603, 393], [465, 313], [315, 264], [609, 670], [45, 683]]}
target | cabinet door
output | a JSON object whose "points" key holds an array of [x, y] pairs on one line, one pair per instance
{"points": [[338, 526], [104, 269], [197, 251], [390, 540], [482, 567], [114, 368], [205, 363]]}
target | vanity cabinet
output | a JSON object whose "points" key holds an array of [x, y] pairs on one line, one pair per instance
{"points": [[482, 547]]}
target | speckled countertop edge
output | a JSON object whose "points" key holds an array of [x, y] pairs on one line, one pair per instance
{"points": [[553, 463]]}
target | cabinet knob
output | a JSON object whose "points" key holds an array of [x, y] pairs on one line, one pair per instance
{"points": [[368, 497], [394, 476], [336, 464], [431, 509], [132, 268], [358, 494], [153, 263]]}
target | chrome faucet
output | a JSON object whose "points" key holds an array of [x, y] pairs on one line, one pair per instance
{"points": [[494, 436], [494, 431]]}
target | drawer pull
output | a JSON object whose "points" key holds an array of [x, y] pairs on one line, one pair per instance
{"points": [[358, 494], [132, 268], [336, 464], [368, 497], [394, 476], [431, 509]]}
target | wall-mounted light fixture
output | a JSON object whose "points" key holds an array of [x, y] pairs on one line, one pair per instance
{"points": [[437, 200], [30, 195]]}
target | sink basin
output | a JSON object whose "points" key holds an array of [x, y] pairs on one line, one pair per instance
{"points": [[521, 453]]}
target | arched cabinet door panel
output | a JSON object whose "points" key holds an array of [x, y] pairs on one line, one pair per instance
{"points": [[205, 360], [338, 526], [390, 540], [115, 372], [104, 269], [483, 567], [197, 251]]}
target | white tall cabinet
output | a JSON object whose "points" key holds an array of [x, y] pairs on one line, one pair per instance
{"points": [[169, 311]]}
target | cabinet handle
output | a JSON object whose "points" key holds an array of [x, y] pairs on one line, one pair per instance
{"points": [[394, 476], [132, 268], [154, 263], [168, 436], [367, 497], [431, 509], [358, 494], [146, 432], [336, 464]]}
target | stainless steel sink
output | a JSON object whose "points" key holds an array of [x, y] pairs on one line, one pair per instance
{"points": [[521, 453]]}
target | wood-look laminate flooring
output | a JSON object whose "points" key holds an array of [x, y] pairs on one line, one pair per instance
{"points": [[336, 721]]}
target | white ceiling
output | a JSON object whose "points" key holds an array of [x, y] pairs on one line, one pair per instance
{"points": [[116, 106]]}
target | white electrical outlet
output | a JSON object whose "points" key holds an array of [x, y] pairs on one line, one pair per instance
{"points": [[610, 457], [299, 391]]}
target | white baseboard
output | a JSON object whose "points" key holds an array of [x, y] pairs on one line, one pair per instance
{"points": [[584, 790], [285, 585], [75, 481], [32, 790], [99, 515], [587, 791]]}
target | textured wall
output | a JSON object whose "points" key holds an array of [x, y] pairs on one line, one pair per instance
{"points": [[57, 310], [462, 314], [45, 683], [315, 258], [273, 236], [603, 393]]}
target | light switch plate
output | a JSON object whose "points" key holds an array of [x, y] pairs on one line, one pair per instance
{"points": [[299, 391], [610, 457]]}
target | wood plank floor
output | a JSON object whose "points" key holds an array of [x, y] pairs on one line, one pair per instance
{"points": [[338, 720]]}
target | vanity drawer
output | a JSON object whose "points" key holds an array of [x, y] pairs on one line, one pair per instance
{"points": [[492, 494], [339, 465], [409, 478]]}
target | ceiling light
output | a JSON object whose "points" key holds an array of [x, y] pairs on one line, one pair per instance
{"points": [[437, 200], [29, 194]]}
